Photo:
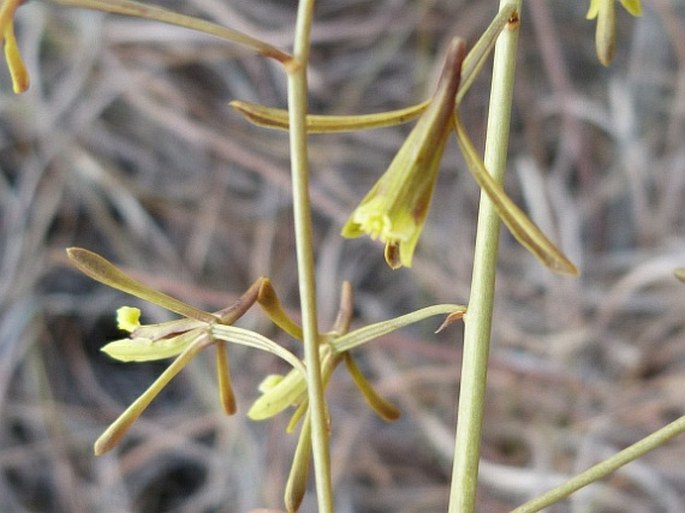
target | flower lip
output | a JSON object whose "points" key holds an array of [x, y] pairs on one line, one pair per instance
{"points": [[128, 318]]}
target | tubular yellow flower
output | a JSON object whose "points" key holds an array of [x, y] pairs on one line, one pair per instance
{"points": [[15, 64], [395, 209], [605, 35]]}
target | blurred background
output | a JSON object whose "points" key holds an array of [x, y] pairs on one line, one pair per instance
{"points": [[125, 144]]}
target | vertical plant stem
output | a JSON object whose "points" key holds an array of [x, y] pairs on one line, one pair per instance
{"points": [[297, 111], [479, 314]]}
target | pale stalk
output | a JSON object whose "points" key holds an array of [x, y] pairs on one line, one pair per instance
{"points": [[604, 468], [478, 319], [297, 110], [154, 12]]}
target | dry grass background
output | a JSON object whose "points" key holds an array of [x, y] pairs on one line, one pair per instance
{"points": [[125, 145]]}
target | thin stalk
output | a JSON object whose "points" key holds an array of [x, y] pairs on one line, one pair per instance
{"points": [[153, 12], [478, 319], [297, 109], [605, 467]]}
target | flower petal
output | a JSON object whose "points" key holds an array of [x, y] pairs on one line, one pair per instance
{"points": [[383, 408], [140, 349], [593, 11], [128, 318], [290, 390], [634, 7]]}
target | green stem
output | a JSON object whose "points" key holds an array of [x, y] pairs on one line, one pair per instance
{"points": [[604, 468], [297, 109], [478, 319], [153, 12]]}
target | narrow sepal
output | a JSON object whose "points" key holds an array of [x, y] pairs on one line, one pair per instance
{"points": [[223, 372], [15, 64], [296, 486], [270, 117], [102, 270], [383, 408], [268, 300], [520, 226]]}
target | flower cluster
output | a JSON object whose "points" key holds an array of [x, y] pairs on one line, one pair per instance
{"points": [[184, 338]]}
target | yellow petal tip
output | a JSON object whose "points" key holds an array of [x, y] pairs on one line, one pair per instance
{"points": [[128, 318]]}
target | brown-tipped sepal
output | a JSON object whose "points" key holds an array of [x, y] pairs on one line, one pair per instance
{"points": [[605, 35]]}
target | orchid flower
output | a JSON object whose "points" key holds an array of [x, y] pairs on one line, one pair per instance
{"points": [[182, 338]]}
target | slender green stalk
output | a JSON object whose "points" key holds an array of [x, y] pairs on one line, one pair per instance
{"points": [[297, 109], [605, 467], [479, 315], [153, 12]]}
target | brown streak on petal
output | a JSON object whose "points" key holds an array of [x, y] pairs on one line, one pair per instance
{"points": [[392, 255]]}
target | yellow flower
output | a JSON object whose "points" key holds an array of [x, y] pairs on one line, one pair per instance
{"points": [[181, 338], [153, 341], [395, 209], [128, 318], [605, 35], [15, 64], [282, 392]]}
